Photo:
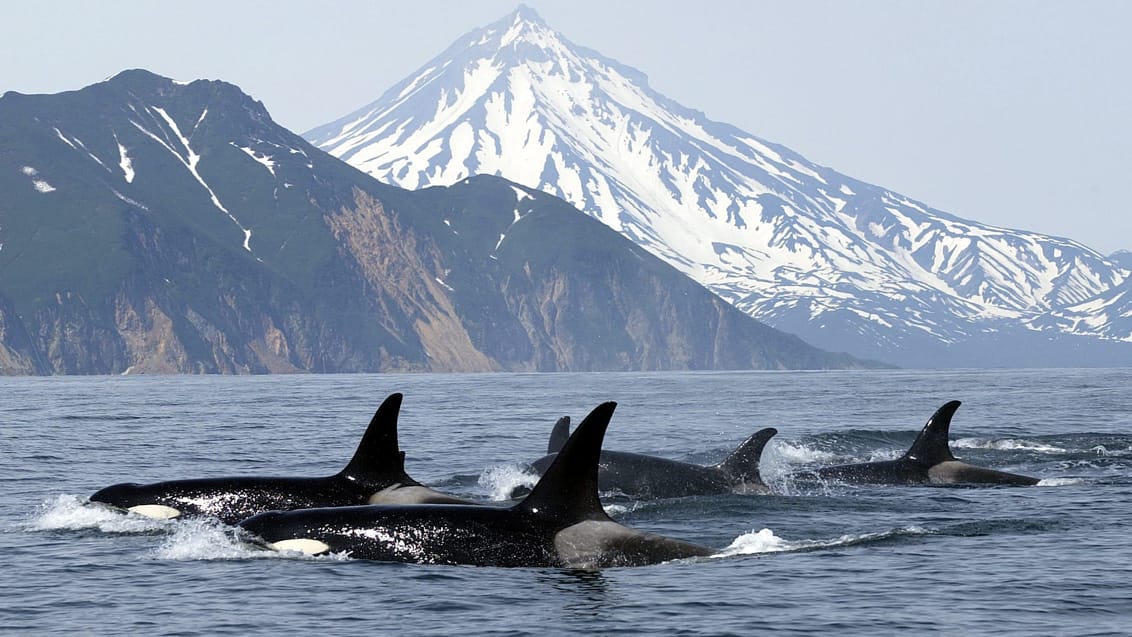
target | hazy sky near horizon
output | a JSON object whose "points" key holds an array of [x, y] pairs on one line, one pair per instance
{"points": [[1014, 113]]}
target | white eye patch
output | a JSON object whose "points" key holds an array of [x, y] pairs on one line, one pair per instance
{"points": [[306, 546], [156, 511], [398, 494]]}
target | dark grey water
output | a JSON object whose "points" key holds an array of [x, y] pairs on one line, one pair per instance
{"points": [[1050, 559]]}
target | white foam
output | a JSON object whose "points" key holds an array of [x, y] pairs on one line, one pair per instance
{"points": [[72, 512], [796, 453], [210, 539], [1059, 482], [881, 455], [765, 541], [1006, 445], [501, 479], [806, 483], [614, 510], [205, 539], [783, 458], [1105, 452]]}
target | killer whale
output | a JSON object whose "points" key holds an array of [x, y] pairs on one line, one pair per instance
{"points": [[375, 474], [643, 476], [560, 524], [928, 461]]}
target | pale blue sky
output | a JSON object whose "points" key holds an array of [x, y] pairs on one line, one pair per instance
{"points": [[1009, 112]]}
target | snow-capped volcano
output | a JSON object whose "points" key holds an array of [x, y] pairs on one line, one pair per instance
{"points": [[847, 265]]}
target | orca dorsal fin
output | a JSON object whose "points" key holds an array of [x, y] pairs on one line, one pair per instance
{"points": [[559, 435], [743, 463], [568, 489], [931, 446], [378, 457]]}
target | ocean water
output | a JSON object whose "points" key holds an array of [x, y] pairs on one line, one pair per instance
{"points": [[1052, 559]]}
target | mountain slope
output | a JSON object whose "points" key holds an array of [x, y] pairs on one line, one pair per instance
{"points": [[844, 264], [156, 226]]}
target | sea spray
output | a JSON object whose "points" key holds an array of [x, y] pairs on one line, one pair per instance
{"points": [[73, 513]]}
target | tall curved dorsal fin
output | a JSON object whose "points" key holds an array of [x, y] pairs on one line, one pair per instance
{"points": [[559, 435], [743, 463], [931, 445], [378, 456], [568, 489]]}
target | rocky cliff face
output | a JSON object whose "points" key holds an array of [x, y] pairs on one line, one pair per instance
{"points": [[155, 227], [16, 350], [405, 269]]}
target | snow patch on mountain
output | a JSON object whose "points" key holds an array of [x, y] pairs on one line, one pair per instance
{"points": [[132, 202], [40, 185], [790, 242], [265, 160], [189, 158], [124, 162], [77, 144]]}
